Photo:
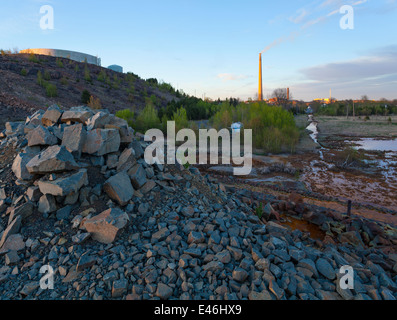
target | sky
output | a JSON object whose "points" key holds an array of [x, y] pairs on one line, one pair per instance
{"points": [[210, 48]]}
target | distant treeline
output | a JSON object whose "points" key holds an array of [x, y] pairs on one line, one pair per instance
{"points": [[362, 108]]}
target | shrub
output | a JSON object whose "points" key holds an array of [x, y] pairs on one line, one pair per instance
{"points": [[94, 103], [180, 118], [85, 97], [64, 81], [127, 115], [273, 128], [33, 58], [87, 75], [40, 80], [59, 63], [47, 75], [24, 72], [51, 90], [102, 76], [147, 119]]}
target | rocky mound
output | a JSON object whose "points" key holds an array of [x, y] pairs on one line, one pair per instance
{"points": [[80, 198]]}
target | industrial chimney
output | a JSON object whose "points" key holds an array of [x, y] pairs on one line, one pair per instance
{"points": [[287, 94], [260, 91]]}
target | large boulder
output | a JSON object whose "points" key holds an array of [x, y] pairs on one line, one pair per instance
{"points": [[102, 141], [14, 128], [40, 136], [98, 121], [77, 114], [35, 119], [138, 176], [106, 226], [119, 188], [51, 116], [126, 160], [66, 185], [126, 132], [74, 138], [19, 166], [52, 160]]}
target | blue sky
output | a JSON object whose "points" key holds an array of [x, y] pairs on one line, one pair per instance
{"points": [[211, 47]]}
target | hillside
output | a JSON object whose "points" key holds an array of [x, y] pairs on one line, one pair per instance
{"points": [[20, 92]]}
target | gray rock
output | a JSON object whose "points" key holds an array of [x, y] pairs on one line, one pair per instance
{"points": [[119, 288], [195, 237], [98, 121], [40, 136], [101, 141], [11, 258], [33, 193], [81, 238], [106, 226], [19, 166], [239, 275], [74, 138], [70, 184], [325, 269], [138, 176], [86, 261], [52, 160], [163, 291], [119, 188], [11, 229], [127, 160], [51, 116], [47, 204], [14, 242], [24, 211], [77, 114]]}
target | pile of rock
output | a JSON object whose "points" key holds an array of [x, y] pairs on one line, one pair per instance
{"points": [[111, 226], [59, 148]]}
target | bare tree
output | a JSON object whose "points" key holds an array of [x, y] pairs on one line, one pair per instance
{"points": [[364, 97], [281, 96]]}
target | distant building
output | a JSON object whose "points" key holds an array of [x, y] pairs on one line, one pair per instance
{"points": [[116, 68], [72, 55]]}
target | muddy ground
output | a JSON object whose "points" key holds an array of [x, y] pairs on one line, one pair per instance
{"points": [[314, 171]]}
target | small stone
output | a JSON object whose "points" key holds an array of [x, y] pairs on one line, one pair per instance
{"points": [[240, 275], [119, 288], [85, 261], [11, 258], [164, 292], [106, 226]]}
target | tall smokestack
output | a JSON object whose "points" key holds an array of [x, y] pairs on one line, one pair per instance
{"points": [[260, 91], [287, 94]]}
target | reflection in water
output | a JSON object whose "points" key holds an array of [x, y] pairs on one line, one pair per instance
{"points": [[377, 145]]}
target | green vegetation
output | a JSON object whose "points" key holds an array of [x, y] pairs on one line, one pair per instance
{"points": [[127, 115], [259, 211], [181, 120], [273, 128], [59, 63], [85, 97], [87, 75], [51, 90], [47, 75], [350, 157], [102, 76], [365, 108], [40, 80], [24, 72], [147, 119], [64, 81], [196, 109], [33, 58]]}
